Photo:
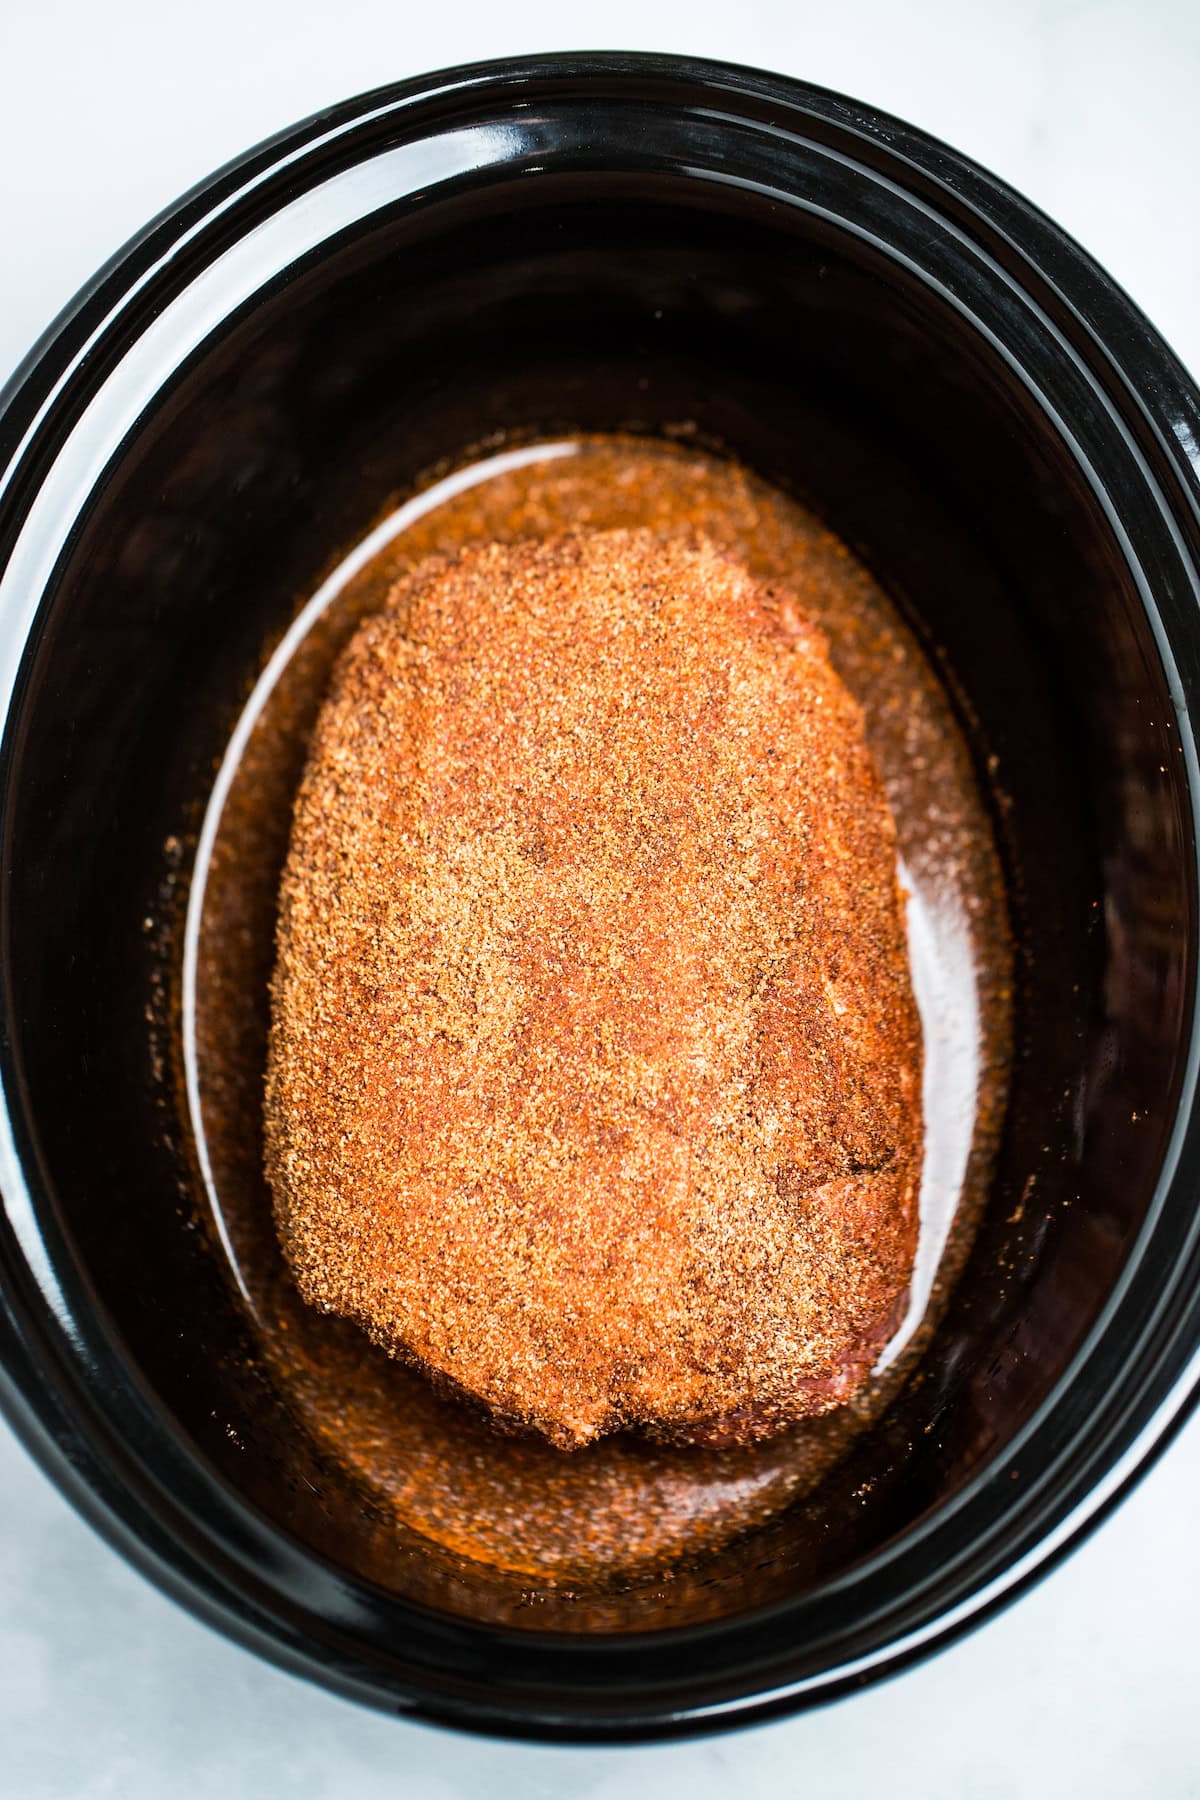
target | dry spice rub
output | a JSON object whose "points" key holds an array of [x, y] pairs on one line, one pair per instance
{"points": [[594, 1079]]}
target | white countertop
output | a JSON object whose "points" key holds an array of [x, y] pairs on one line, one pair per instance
{"points": [[108, 110]]}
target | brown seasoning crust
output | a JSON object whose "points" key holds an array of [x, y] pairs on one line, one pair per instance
{"points": [[594, 1072]]}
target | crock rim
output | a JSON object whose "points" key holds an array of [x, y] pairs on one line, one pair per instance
{"points": [[50, 1390]]}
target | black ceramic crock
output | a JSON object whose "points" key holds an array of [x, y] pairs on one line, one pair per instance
{"points": [[549, 245]]}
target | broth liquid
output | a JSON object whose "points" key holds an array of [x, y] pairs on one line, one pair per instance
{"points": [[433, 1469]]}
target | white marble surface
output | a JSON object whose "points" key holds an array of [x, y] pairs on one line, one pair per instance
{"points": [[1087, 1685]]}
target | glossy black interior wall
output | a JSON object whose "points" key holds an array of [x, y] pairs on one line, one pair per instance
{"points": [[828, 373]]}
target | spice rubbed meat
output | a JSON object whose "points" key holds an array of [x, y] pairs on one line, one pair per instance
{"points": [[594, 1072]]}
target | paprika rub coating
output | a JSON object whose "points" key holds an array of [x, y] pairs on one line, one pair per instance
{"points": [[594, 1074]]}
